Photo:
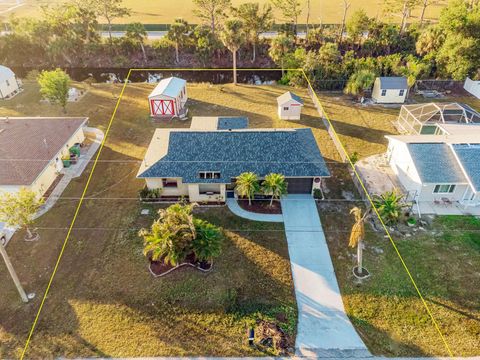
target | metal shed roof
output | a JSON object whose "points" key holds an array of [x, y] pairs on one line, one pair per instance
{"points": [[170, 87], [282, 99], [393, 82]]}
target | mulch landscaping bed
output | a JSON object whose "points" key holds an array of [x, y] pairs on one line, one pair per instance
{"points": [[160, 268], [261, 206]]}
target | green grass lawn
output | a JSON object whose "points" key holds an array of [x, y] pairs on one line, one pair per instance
{"points": [[103, 301], [164, 12], [444, 261]]}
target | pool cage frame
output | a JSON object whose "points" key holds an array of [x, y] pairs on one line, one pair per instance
{"points": [[418, 118]]}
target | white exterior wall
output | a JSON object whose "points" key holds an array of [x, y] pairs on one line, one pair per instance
{"points": [[46, 178], [8, 90], [294, 111], [402, 165], [156, 183], [391, 97], [190, 190], [429, 196], [473, 87], [195, 196]]}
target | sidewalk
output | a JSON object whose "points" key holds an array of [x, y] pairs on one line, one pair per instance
{"points": [[237, 210]]}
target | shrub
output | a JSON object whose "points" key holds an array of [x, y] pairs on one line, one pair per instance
{"points": [[317, 194], [150, 194]]}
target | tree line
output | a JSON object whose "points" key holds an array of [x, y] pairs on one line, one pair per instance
{"points": [[66, 35]]}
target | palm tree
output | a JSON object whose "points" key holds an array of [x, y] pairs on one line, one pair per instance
{"points": [[171, 236], [274, 185], [256, 21], [279, 48], [178, 33], [137, 34], [389, 206], [357, 236], [208, 242], [233, 37], [359, 82], [247, 185]]}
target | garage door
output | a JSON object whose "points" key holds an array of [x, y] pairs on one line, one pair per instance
{"points": [[299, 185]]}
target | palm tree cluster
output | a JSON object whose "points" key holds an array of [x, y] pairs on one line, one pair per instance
{"points": [[389, 206], [248, 184], [177, 233]]}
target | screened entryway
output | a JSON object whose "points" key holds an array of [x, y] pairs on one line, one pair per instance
{"points": [[299, 185]]}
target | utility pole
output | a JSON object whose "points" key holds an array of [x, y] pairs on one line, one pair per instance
{"points": [[13, 274]]}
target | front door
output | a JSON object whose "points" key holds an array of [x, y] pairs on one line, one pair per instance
{"points": [[162, 107]]}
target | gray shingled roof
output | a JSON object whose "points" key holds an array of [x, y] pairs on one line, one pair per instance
{"points": [[469, 156], [282, 99], [289, 152], [27, 145], [226, 123], [436, 163], [393, 82]]}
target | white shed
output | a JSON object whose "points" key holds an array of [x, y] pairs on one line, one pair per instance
{"points": [[9, 85], [289, 106], [473, 87], [168, 98], [390, 90]]}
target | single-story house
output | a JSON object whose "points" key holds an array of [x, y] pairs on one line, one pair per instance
{"points": [[31, 150], [9, 86], [168, 98], [390, 90], [202, 164], [473, 87], [438, 168], [289, 106]]}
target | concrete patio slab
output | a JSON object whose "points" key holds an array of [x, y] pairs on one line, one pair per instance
{"points": [[323, 326]]}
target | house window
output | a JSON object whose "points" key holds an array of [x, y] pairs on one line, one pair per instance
{"points": [[209, 189], [209, 174], [285, 108], [169, 183], [384, 92], [401, 92], [444, 189]]}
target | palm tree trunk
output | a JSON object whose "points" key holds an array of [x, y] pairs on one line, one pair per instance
{"points": [[254, 45], [249, 200], [144, 53], [176, 52], [234, 52], [308, 18], [13, 274], [424, 7], [271, 201], [360, 257]]}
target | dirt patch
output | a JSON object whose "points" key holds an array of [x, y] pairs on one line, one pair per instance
{"points": [[270, 335], [261, 206]]}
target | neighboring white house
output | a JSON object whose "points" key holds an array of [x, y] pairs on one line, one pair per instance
{"points": [[202, 163], [289, 106], [473, 87], [390, 90], [9, 86], [168, 98], [438, 169], [32, 149]]}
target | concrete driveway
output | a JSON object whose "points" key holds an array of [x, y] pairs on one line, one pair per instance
{"points": [[323, 327]]}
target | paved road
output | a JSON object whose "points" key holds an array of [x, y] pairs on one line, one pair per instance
{"points": [[323, 327]]}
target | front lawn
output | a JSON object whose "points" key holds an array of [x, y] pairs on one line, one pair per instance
{"points": [[103, 301], [444, 260]]}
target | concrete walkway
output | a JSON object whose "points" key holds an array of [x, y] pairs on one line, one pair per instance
{"points": [[237, 210], [74, 171], [324, 329]]}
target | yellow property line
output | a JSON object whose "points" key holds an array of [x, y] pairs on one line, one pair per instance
{"points": [[73, 221], [100, 151], [380, 218]]}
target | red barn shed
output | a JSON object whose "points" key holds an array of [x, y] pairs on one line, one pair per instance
{"points": [[168, 98]]}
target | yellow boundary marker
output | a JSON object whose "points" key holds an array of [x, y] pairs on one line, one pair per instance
{"points": [[45, 295]]}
